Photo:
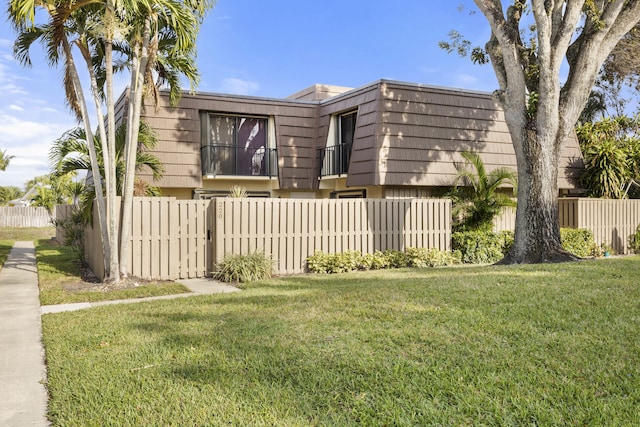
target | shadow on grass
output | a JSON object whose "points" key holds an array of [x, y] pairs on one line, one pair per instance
{"points": [[57, 259]]}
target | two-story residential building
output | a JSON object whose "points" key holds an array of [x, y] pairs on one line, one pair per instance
{"points": [[387, 139]]}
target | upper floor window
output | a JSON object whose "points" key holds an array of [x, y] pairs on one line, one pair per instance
{"points": [[346, 128], [236, 145], [335, 158]]}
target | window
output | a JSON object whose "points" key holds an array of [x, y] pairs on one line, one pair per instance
{"points": [[236, 145], [335, 157]]}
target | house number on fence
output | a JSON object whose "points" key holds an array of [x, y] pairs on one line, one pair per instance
{"points": [[220, 210]]}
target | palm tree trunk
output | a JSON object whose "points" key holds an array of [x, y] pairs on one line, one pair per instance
{"points": [[114, 269], [140, 60], [95, 168]]}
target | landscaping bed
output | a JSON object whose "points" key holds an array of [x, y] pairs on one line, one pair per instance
{"points": [[63, 279]]}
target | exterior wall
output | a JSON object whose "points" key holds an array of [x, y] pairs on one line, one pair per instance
{"points": [[423, 129], [407, 135], [179, 142], [178, 193], [363, 153]]}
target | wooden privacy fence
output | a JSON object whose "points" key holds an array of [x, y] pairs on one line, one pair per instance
{"points": [[177, 239], [610, 221], [14, 216], [290, 230], [169, 239]]}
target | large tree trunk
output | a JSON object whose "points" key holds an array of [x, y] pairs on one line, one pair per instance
{"points": [[537, 236], [538, 111]]}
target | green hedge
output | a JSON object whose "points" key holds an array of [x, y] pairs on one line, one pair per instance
{"points": [[482, 247], [343, 262], [578, 241], [487, 247]]}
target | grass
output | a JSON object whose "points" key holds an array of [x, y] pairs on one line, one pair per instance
{"points": [[28, 233], [58, 268], [5, 248], [529, 345], [8, 235]]}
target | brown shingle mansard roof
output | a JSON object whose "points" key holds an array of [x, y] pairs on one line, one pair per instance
{"points": [[406, 135]]}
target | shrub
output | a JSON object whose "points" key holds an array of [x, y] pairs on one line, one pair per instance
{"points": [[73, 228], [634, 241], [352, 260], [244, 268], [396, 259], [340, 262], [578, 241], [482, 247], [374, 261], [423, 257]]}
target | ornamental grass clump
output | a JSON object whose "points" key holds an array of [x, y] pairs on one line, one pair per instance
{"points": [[244, 268]]}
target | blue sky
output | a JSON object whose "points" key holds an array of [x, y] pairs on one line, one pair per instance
{"points": [[257, 48]]}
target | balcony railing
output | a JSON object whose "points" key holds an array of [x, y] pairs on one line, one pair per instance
{"points": [[239, 161], [334, 160]]}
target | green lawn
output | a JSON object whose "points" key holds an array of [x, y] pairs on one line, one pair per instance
{"points": [[59, 271], [27, 233], [531, 345]]}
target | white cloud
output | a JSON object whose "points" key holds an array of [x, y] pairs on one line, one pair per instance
{"points": [[29, 142], [237, 86], [15, 107]]}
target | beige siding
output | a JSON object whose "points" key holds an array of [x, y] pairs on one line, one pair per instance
{"points": [[178, 130], [422, 131], [406, 135], [367, 103]]}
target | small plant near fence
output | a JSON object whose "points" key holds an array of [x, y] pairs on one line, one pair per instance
{"points": [[244, 268], [73, 227], [482, 247], [634, 241], [579, 242], [344, 262]]}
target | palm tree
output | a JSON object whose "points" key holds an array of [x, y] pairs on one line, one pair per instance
{"points": [[70, 153], [94, 26], [9, 193], [57, 37], [162, 37], [477, 202], [53, 189], [4, 160]]}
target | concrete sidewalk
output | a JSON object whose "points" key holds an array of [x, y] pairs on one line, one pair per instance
{"points": [[23, 396]]}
